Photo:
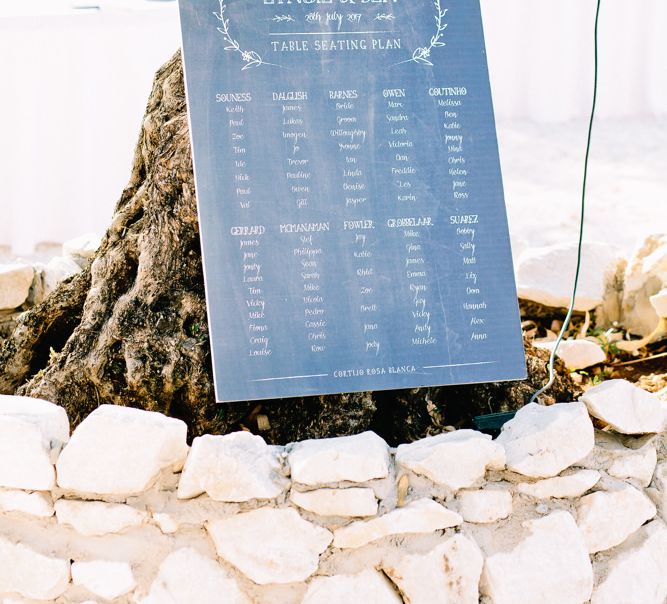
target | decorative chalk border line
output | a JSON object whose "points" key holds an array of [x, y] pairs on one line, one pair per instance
{"points": [[421, 55], [249, 57]]}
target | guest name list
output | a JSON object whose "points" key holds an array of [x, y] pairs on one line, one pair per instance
{"points": [[350, 198]]}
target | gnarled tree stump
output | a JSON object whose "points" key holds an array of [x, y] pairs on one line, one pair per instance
{"points": [[132, 329]]}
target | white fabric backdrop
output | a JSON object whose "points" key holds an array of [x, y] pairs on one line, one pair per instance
{"points": [[75, 84], [540, 56]]}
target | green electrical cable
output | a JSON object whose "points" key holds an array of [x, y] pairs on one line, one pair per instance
{"points": [[568, 317]]}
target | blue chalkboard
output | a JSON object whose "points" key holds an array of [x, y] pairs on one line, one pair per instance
{"points": [[350, 196]]}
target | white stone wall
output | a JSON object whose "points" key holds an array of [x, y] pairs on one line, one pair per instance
{"points": [[552, 511]]}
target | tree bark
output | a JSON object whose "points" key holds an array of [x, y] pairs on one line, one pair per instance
{"points": [[132, 329]]}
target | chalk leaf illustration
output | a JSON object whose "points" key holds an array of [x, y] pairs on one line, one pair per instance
{"points": [[422, 54], [249, 57]]}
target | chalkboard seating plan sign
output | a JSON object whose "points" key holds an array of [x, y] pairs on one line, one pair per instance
{"points": [[350, 197]]}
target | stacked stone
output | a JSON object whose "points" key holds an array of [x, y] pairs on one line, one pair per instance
{"points": [[552, 511], [630, 292], [24, 284]]}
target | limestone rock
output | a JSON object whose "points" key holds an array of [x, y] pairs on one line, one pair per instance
{"points": [[34, 504], [576, 354], [659, 303], [32, 433], [58, 269], [21, 600], [188, 577], [356, 458], [546, 274], [607, 518], [485, 506], [549, 566], [455, 459], [270, 545], [236, 467], [631, 457], [92, 518], [638, 571], [448, 574], [369, 587], [645, 276], [105, 579], [655, 263], [561, 487], [50, 418], [121, 451], [660, 484], [15, 282], [420, 516], [637, 465], [352, 502], [625, 407], [166, 522], [31, 574], [541, 442], [609, 312], [82, 249], [37, 291]]}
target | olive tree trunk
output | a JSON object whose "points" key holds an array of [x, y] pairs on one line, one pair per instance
{"points": [[132, 328]]}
